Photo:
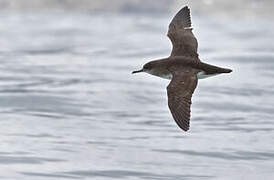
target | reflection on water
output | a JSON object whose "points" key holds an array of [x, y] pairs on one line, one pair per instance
{"points": [[70, 108]]}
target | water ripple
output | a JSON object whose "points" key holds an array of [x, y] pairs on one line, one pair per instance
{"points": [[232, 156]]}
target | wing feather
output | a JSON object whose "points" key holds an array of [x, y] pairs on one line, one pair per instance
{"points": [[180, 33], [179, 93]]}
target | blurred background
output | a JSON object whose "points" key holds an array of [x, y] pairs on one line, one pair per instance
{"points": [[70, 108], [241, 7], [236, 8]]}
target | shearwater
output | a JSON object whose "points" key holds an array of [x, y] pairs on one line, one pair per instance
{"points": [[183, 67]]}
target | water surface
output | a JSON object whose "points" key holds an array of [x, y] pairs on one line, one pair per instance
{"points": [[70, 108]]}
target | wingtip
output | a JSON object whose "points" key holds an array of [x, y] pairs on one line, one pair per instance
{"points": [[182, 19], [186, 7]]}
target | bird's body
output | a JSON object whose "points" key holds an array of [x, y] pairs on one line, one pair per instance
{"points": [[183, 67], [161, 67]]}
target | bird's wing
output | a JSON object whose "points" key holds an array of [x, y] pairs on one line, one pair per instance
{"points": [[180, 33], [179, 91]]}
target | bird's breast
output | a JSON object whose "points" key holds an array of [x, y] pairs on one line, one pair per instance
{"points": [[164, 75]]}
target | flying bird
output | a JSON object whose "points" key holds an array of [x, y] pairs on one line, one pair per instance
{"points": [[183, 67]]}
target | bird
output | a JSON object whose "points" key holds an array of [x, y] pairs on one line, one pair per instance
{"points": [[183, 67]]}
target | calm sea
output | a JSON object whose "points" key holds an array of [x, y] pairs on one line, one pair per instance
{"points": [[71, 109]]}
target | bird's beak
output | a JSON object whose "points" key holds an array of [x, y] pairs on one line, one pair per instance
{"points": [[138, 71]]}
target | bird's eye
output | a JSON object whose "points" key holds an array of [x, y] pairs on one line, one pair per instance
{"points": [[147, 67]]}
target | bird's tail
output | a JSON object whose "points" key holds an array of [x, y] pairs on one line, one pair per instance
{"points": [[210, 69]]}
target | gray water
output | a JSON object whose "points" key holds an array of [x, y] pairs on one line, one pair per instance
{"points": [[70, 108]]}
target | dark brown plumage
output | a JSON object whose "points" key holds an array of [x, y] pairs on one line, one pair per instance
{"points": [[183, 66], [179, 93], [180, 33]]}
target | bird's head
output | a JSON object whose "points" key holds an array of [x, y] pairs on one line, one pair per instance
{"points": [[146, 68]]}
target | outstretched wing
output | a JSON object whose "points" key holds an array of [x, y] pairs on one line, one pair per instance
{"points": [[180, 33], [179, 91]]}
